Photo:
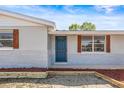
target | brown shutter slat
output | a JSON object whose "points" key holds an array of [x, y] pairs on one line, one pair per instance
{"points": [[16, 38], [79, 44], [108, 43]]}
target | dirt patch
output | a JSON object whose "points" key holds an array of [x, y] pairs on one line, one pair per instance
{"points": [[57, 81]]}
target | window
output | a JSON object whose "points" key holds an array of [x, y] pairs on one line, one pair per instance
{"points": [[99, 42], [87, 43], [6, 40], [93, 43]]}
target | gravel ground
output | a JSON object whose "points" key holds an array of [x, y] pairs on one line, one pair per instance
{"points": [[57, 81]]}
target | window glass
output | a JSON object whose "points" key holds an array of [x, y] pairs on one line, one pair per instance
{"points": [[93, 43], [6, 40], [87, 43], [99, 43], [5, 43], [5, 35]]}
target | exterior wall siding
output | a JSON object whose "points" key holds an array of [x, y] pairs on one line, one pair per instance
{"points": [[50, 57], [22, 59], [33, 48], [117, 44], [114, 58]]}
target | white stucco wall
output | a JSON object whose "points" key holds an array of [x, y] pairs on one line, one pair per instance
{"points": [[115, 58], [33, 44], [117, 43]]}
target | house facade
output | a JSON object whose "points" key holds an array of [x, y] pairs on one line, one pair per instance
{"points": [[24, 41], [28, 42], [88, 50]]}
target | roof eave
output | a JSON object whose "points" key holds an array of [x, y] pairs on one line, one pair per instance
{"points": [[28, 18]]}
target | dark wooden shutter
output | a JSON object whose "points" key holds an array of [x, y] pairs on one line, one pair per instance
{"points": [[79, 43], [15, 38], [108, 43]]}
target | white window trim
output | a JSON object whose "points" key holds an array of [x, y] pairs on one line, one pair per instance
{"points": [[6, 48], [94, 52]]}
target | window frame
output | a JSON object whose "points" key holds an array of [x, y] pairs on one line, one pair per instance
{"points": [[93, 44], [7, 48]]}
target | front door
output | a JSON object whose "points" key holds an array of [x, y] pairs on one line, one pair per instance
{"points": [[61, 49]]}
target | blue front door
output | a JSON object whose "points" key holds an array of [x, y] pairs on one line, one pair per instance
{"points": [[61, 49]]}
